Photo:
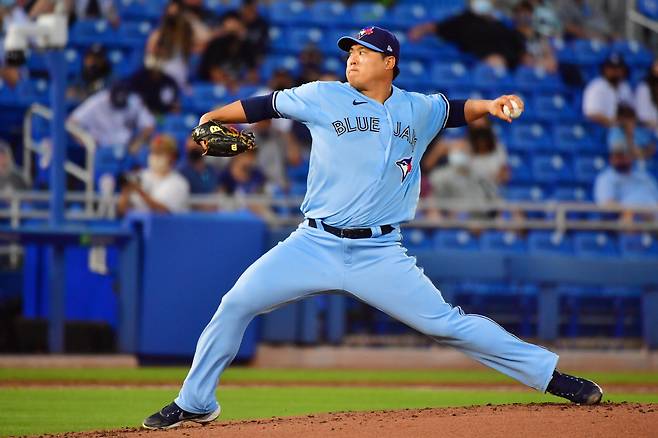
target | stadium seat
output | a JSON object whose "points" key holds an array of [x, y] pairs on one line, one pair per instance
{"points": [[554, 107], [407, 15], [203, 96], [417, 238], [300, 37], [455, 240], [589, 52], [135, 33], [519, 168], [450, 75], [413, 75], [638, 246], [366, 14], [530, 79], [503, 241], [273, 63], [524, 193], [529, 137], [550, 243], [84, 33], [574, 137], [551, 169], [595, 244], [586, 168], [334, 65], [329, 14], [289, 13], [648, 8], [179, 122], [570, 194], [150, 10], [488, 78], [634, 53]]}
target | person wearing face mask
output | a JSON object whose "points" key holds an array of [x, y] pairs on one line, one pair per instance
{"points": [[159, 188], [10, 178], [456, 183], [604, 94], [622, 184], [201, 177], [95, 74], [646, 98]]}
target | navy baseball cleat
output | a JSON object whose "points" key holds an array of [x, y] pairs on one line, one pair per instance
{"points": [[171, 416], [575, 389]]}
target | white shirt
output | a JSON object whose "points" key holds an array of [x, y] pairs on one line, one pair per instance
{"points": [[109, 125], [172, 190], [602, 98], [488, 166], [644, 106]]}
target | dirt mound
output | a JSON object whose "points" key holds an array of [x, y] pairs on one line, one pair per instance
{"points": [[533, 420]]}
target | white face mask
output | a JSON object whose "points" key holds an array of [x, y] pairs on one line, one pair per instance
{"points": [[459, 159], [158, 163], [481, 7]]}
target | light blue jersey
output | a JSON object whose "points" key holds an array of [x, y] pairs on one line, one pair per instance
{"points": [[364, 169]]}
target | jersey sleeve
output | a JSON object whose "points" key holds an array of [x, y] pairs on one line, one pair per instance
{"points": [[436, 109], [299, 103]]}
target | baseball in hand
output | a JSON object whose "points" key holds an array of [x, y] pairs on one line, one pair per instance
{"points": [[514, 112]]}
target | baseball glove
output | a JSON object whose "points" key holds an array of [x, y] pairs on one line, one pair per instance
{"points": [[218, 140]]}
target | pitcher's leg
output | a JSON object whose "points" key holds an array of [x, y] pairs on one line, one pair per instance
{"points": [[394, 284], [293, 269]]}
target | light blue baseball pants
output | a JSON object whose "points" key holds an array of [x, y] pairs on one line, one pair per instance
{"points": [[377, 271]]}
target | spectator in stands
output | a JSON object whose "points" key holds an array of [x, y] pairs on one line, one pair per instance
{"points": [[15, 13], [10, 178], [170, 45], [537, 24], [159, 188], [118, 122], [228, 58], [242, 175], [583, 19], [646, 99], [95, 74], [201, 177], [641, 140], [457, 183], [478, 32], [310, 64], [272, 153], [81, 10], [158, 90], [604, 94], [621, 183], [257, 29]]}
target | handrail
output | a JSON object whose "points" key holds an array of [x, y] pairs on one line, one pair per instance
{"points": [[633, 17], [84, 174], [557, 215]]}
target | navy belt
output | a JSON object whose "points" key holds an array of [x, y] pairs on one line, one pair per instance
{"points": [[349, 233]]}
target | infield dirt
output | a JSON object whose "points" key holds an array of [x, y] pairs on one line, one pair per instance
{"points": [[533, 420]]}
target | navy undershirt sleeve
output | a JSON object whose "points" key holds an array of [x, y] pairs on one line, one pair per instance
{"points": [[456, 118], [259, 108]]}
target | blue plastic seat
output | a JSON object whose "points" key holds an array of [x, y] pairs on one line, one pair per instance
{"points": [[288, 13], [135, 33], [273, 63], [367, 14], [638, 246], [634, 53], [417, 238], [530, 137], [407, 15], [550, 243], [503, 241], [586, 168], [573, 137], [595, 244], [84, 33], [550, 169], [524, 193], [205, 95], [554, 107], [455, 240], [179, 122], [571, 194], [589, 52], [648, 8], [300, 37], [328, 13], [447, 75], [150, 10], [488, 78], [519, 168], [530, 79], [413, 72]]}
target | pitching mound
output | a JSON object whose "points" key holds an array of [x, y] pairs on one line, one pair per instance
{"points": [[534, 420]]}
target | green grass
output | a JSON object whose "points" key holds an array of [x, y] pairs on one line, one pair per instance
{"points": [[53, 410], [237, 375]]}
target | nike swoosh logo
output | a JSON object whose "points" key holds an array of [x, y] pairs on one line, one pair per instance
{"points": [[354, 102]]}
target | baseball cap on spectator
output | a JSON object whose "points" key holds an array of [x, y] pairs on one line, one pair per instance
{"points": [[377, 39], [614, 59]]}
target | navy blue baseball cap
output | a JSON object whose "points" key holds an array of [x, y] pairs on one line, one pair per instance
{"points": [[377, 39]]}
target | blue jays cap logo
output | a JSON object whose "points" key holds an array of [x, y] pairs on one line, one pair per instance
{"points": [[405, 166], [366, 31]]}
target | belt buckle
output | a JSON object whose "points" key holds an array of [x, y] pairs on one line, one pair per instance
{"points": [[342, 233]]}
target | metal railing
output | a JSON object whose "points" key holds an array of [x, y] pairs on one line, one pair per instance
{"points": [[84, 174], [502, 215], [634, 19]]}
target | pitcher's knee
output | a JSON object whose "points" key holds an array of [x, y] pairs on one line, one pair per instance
{"points": [[444, 325], [237, 305]]}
